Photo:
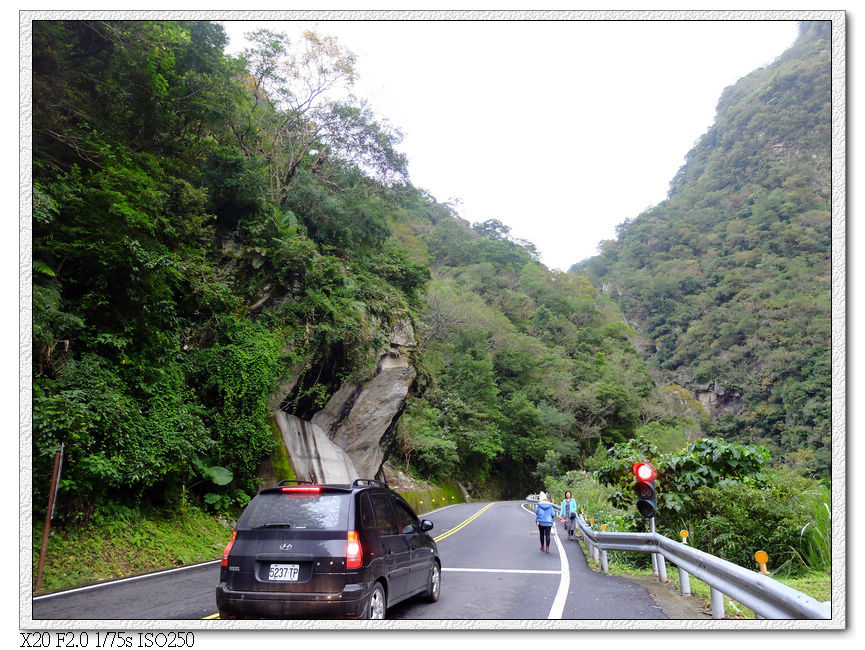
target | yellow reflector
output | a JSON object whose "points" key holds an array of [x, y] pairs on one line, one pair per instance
{"points": [[761, 556], [683, 533]]}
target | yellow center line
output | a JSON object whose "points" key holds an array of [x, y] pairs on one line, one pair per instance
{"points": [[465, 523]]}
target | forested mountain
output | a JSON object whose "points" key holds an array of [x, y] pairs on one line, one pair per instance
{"points": [[208, 229], [522, 371], [729, 278]]}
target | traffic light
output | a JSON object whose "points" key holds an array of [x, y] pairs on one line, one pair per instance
{"points": [[645, 489]]}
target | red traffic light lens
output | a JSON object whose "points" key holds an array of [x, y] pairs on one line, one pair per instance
{"points": [[644, 471]]}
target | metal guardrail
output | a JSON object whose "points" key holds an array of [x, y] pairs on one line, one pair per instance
{"points": [[768, 598]]}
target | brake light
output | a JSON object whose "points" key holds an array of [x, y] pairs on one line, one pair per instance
{"points": [[227, 550], [302, 488], [353, 551]]}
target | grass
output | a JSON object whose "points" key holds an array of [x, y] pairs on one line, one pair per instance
{"points": [[817, 585], [84, 554]]}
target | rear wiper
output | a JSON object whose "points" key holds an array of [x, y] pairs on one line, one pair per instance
{"points": [[281, 524]]}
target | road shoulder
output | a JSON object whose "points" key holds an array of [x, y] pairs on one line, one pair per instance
{"points": [[670, 601]]}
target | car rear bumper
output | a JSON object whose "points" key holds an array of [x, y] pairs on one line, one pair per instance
{"points": [[349, 602]]}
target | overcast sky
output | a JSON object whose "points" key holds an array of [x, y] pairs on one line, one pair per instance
{"points": [[559, 129]]}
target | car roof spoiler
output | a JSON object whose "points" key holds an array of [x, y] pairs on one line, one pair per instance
{"points": [[368, 481], [357, 483]]}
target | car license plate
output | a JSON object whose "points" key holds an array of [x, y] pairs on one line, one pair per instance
{"points": [[287, 572]]}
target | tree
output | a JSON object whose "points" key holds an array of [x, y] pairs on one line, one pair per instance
{"points": [[295, 113]]}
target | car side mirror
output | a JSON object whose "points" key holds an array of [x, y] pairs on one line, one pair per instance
{"points": [[426, 525]]}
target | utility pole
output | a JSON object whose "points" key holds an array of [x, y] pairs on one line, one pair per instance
{"points": [[49, 514]]}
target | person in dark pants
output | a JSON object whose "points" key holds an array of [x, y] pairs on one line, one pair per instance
{"points": [[544, 519]]}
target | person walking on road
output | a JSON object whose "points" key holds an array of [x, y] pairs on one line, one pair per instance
{"points": [[568, 514], [544, 520]]}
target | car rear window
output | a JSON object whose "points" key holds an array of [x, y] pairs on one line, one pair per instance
{"points": [[297, 511]]}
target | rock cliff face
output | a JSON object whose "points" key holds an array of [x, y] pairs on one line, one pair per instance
{"points": [[350, 436], [719, 400]]}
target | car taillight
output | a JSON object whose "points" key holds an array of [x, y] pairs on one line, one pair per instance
{"points": [[227, 550], [302, 488], [353, 551]]}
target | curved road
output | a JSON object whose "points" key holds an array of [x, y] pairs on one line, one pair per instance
{"points": [[492, 568]]}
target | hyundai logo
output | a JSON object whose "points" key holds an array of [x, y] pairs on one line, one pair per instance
{"points": [[286, 547]]}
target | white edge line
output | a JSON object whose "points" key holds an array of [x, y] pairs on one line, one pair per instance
{"points": [[558, 606], [118, 581], [503, 571], [564, 584]]}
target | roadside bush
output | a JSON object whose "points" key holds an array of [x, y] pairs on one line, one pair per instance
{"points": [[125, 427], [724, 494], [733, 520], [238, 375]]}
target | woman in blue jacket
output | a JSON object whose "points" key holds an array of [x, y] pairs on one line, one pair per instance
{"points": [[568, 514], [544, 520]]}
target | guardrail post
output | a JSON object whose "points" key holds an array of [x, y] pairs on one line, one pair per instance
{"points": [[590, 547], [684, 578], [596, 554], [655, 569], [659, 567], [605, 567], [717, 603]]}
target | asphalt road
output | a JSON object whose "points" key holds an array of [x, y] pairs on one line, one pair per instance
{"points": [[492, 568], [186, 593]]}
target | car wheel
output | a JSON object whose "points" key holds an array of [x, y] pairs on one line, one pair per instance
{"points": [[377, 603], [434, 586]]}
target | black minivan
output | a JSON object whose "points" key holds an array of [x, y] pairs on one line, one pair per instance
{"points": [[306, 550]]}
